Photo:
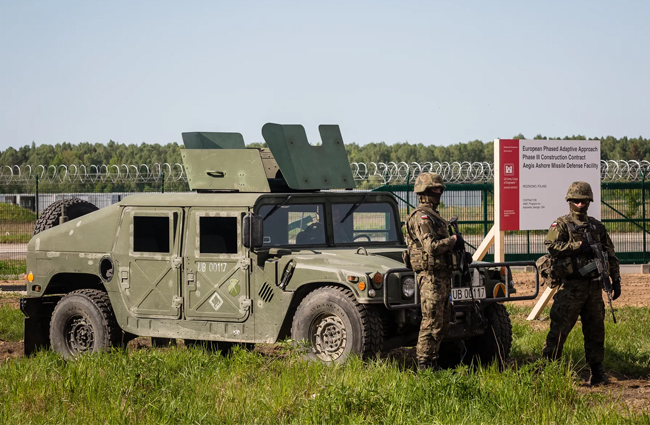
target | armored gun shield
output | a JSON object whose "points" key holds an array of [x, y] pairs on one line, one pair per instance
{"points": [[221, 161]]}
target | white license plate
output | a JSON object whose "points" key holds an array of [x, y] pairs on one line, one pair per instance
{"points": [[463, 294]]}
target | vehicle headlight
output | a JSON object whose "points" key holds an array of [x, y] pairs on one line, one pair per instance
{"points": [[408, 286]]}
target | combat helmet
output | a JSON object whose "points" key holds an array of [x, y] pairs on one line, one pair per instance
{"points": [[428, 181], [580, 190]]}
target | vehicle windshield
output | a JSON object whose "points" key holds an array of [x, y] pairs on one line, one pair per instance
{"points": [[307, 224]]}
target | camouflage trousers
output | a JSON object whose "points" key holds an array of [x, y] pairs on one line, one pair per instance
{"points": [[434, 301], [575, 298]]}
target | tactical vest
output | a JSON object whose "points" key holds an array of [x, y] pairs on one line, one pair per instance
{"points": [[577, 232], [419, 259], [555, 270]]}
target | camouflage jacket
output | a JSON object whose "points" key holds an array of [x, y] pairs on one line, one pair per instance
{"points": [[429, 232], [561, 242]]}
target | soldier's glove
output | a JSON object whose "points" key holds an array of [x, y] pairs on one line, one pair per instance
{"points": [[460, 242], [616, 287], [586, 249]]}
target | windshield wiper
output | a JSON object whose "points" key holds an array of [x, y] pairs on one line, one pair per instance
{"points": [[276, 207], [354, 208]]}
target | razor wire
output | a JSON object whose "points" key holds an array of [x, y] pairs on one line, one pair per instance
{"points": [[105, 173], [479, 172], [379, 172]]}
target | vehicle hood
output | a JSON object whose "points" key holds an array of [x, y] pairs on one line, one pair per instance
{"points": [[93, 232], [335, 265]]}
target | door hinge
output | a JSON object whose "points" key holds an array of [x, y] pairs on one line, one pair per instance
{"points": [[177, 261], [245, 264], [245, 304], [177, 302]]}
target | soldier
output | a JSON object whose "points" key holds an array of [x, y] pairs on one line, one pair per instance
{"points": [[430, 249], [580, 295]]}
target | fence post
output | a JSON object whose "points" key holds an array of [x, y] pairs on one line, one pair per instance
{"points": [[408, 193], [485, 210], [162, 182], [36, 197], [645, 218]]}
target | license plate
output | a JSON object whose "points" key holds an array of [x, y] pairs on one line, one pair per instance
{"points": [[464, 294]]}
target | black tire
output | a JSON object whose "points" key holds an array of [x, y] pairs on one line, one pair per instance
{"points": [[496, 342], [74, 208], [83, 322], [335, 326]]}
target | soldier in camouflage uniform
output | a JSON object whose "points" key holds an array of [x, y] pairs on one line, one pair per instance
{"points": [[580, 295], [430, 249]]}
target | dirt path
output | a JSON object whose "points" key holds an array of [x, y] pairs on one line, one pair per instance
{"points": [[635, 289]]}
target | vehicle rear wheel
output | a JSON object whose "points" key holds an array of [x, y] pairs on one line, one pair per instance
{"points": [[83, 322], [74, 208], [335, 325], [496, 342]]}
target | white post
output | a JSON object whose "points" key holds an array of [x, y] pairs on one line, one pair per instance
{"points": [[499, 235]]}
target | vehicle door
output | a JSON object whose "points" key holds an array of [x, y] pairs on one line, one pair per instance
{"points": [[148, 259], [217, 266]]}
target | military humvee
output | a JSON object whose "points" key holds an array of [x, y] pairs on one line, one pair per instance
{"points": [[264, 248]]}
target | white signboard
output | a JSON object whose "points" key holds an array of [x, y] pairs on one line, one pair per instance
{"points": [[535, 176]]}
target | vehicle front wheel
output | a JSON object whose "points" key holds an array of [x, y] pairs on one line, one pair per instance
{"points": [[335, 325], [83, 322]]}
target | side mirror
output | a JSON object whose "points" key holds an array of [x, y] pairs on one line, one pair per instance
{"points": [[253, 231]]}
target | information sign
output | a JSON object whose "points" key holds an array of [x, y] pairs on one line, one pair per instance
{"points": [[534, 176]]}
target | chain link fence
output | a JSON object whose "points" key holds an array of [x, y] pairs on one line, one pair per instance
{"points": [[624, 211], [26, 191], [23, 200]]}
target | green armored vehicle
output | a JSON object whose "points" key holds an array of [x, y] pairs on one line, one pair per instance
{"points": [[263, 249]]}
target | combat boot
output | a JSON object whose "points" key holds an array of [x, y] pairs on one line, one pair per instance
{"points": [[423, 365], [598, 376], [427, 364]]}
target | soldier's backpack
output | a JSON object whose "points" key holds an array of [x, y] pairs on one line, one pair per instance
{"points": [[554, 270]]}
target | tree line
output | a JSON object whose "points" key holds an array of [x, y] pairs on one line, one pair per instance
{"points": [[114, 153]]}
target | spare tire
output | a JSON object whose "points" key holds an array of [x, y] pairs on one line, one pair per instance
{"points": [[74, 208]]}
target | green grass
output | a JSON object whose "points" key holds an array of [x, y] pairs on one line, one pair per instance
{"points": [[11, 324], [16, 223], [627, 343], [10, 212], [12, 267], [192, 386]]}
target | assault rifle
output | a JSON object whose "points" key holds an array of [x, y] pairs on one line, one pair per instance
{"points": [[601, 265], [464, 265]]}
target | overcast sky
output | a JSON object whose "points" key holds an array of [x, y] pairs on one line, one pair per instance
{"points": [[432, 72]]}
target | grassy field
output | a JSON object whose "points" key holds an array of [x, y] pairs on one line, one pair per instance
{"points": [[16, 223], [12, 267], [178, 385], [11, 323]]}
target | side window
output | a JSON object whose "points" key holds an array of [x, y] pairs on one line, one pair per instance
{"points": [[150, 234], [218, 235]]}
